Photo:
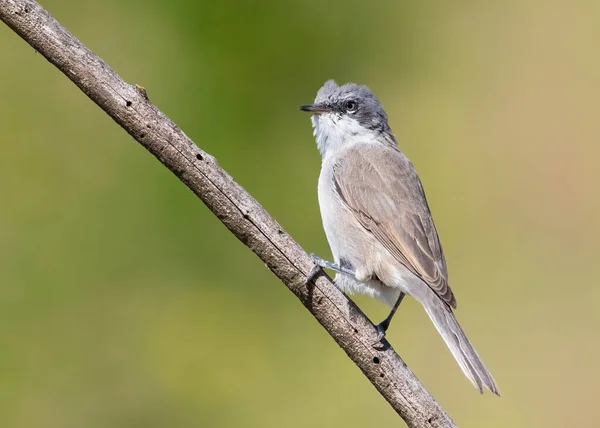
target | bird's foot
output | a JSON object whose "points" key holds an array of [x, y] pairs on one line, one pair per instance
{"points": [[320, 264], [381, 329], [385, 324], [331, 265], [312, 273]]}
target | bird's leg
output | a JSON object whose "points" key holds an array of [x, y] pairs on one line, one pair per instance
{"points": [[383, 325], [320, 264], [333, 266]]}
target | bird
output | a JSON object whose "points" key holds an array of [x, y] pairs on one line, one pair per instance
{"points": [[377, 221]]}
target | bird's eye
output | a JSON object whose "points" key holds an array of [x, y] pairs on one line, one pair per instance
{"points": [[350, 106]]}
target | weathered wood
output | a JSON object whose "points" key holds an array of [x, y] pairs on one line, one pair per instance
{"points": [[129, 106]]}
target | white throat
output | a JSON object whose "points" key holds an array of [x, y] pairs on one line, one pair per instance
{"points": [[333, 132]]}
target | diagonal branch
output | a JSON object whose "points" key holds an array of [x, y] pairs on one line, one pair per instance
{"points": [[129, 106]]}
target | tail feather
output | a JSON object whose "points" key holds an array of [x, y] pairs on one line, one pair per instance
{"points": [[446, 324]]}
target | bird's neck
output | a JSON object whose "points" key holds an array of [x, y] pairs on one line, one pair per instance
{"points": [[334, 133]]}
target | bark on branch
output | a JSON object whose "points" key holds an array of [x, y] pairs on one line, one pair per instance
{"points": [[129, 106]]}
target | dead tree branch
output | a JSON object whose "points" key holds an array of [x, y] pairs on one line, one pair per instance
{"points": [[129, 106]]}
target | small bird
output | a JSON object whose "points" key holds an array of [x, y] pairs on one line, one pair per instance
{"points": [[377, 221]]}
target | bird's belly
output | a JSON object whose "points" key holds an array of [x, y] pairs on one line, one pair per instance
{"points": [[352, 246], [337, 220]]}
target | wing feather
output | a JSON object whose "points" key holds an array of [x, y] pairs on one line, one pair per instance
{"points": [[381, 187]]}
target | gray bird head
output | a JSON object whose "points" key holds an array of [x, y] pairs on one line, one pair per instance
{"points": [[347, 114]]}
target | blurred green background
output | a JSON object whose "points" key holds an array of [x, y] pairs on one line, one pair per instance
{"points": [[125, 303]]}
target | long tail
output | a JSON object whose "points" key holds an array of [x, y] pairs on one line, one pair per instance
{"points": [[456, 340]]}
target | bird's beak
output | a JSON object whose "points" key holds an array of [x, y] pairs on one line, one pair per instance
{"points": [[314, 109]]}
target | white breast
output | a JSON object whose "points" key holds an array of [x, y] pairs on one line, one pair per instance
{"points": [[347, 239], [330, 205]]}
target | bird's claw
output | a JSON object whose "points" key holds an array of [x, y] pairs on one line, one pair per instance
{"points": [[380, 333], [318, 260], [317, 267], [312, 273]]}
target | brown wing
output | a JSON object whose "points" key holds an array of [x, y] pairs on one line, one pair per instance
{"points": [[381, 187]]}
